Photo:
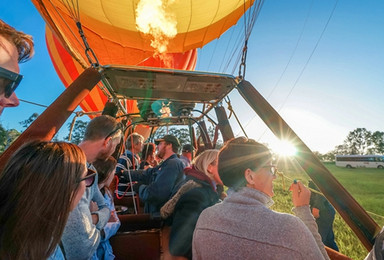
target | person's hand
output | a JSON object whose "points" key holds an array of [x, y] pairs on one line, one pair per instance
{"points": [[95, 218], [112, 218], [93, 206], [147, 166], [316, 212], [300, 194], [154, 163]]}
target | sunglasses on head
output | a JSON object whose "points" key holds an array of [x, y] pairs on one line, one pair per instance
{"points": [[8, 81], [89, 178], [118, 128]]}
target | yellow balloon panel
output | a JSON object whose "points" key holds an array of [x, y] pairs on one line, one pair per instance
{"points": [[114, 22], [190, 14]]}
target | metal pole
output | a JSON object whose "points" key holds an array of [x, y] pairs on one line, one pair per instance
{"points": [[224, 126], [204, 135], [353, 214], [49, 122]]}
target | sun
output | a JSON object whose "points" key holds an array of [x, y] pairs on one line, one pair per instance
{"points": [[284, 148]]}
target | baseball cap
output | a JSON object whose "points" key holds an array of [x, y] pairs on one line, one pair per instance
{"points": [[188, 148], [170, 139]]}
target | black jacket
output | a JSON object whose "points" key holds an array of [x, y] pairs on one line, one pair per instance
{"points": [[186, 214]]}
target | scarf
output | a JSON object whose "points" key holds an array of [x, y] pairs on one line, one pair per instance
{"points": [[169, 207], [191, 171]]}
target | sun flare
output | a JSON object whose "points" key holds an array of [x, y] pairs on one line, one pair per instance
{"points": [[284, 148]]}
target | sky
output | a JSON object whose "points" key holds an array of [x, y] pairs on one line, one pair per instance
{"points": [[320, 64]]}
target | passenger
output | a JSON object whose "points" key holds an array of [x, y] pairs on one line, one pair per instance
{"points": [[81, 237], [157, 184], [324, 214], [377, 252], [187, 153], [32, 211], [131, 159], [148, 157], [106, 172], [243, 226], [15, 47], [197, 193]]}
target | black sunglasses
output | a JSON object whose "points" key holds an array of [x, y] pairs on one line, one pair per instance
{"points": [[89, 178], [118, 127], [8, 81]]}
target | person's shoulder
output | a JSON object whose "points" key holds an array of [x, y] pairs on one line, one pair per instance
{"points": [[213, 211], [126, 154], [129, 154], [183, 158], [210, 216], [197, 193], [122, 159], [284, 216], [288, 221], [174, 157], [174, 160], [204, 196]]}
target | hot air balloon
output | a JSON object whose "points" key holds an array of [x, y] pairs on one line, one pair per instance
{"points": [[69, 69], [116, 34], [112, 26], [88, 33]]}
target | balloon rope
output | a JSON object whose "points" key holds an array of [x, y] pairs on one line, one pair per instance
{"points": [[66, 24], [230, 108], [94, 63]]}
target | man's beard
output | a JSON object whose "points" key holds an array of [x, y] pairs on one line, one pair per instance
{"points": [[161, 153], [104, 154]]}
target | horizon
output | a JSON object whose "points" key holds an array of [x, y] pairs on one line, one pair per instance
{"points": [[318, 64]]}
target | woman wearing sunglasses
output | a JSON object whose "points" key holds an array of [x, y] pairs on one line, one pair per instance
{"points": [[243, 226], [41, 183]]}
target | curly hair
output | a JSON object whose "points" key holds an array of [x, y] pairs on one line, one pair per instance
{"points": [[23, 42]]}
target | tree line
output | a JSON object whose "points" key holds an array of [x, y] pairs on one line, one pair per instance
{"points": [[358, 141], [7, 136]]}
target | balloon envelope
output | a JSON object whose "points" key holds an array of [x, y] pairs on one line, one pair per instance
{"points": [[69, 69], [110, 26]]}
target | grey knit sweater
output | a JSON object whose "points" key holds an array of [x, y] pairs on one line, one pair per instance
{"points": [[243, 227], [81, 238], [377, 252]]}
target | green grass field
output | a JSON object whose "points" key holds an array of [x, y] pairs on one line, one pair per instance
{"points": [[365, 185]]}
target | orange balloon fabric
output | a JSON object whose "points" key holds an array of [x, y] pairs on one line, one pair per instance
{"points": [[69, 69], [111, 26]]}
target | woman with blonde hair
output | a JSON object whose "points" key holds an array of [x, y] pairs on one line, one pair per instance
{"points": [[39, 186], [197, 193]]}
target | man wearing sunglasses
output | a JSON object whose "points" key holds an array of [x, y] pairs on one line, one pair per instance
{"points": [[157, 184], [82, 233], [15, 47]]}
